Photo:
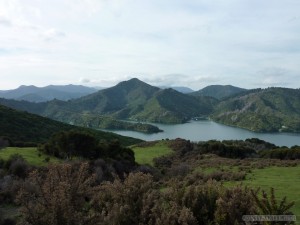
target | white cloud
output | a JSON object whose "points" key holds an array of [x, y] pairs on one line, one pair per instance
{"points": [[52, 34], [172, 42]]}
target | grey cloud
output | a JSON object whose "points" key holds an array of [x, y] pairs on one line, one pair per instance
{"points": [[274, 76], [5, 22], [84, 80]]}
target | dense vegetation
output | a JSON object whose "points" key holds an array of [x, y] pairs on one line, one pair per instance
{"points": [[22, 128], [108, 187], [66, 145]]}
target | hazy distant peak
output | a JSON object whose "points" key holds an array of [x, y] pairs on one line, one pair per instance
{"points": [[219, 91], [181, 89]]}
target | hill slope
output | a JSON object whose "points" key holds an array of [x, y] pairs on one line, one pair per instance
{"points": [[267, 110], [25, 127], [171, 106], [218, 91]]}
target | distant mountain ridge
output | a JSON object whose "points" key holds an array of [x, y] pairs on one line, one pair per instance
{"points": [[218, 91], [41, 94], [262, 110]]}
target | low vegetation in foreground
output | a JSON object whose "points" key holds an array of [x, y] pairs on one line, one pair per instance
{"points": [[155, 183]]}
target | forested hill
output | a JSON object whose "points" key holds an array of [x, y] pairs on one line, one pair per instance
{"points": [[25, 127], [218, 91], [171, 106], [263, 110], [132, 99]]}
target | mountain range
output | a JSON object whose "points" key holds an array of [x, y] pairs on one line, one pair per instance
{"points": [[42, 94], [262, 110]]}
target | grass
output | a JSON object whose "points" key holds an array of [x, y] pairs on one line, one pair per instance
{"points": [[145, 155], [31, 155], [285, 181]]}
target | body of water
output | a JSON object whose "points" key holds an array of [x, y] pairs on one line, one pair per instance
{"points": [[207, 130]]}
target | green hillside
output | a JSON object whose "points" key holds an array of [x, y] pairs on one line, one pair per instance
{"points": [[170, 106], [218, 91], [266, 110], [25, 127]]}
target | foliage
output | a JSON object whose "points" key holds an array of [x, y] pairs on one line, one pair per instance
{"points": [[270, 206], [226, 149], [233, 204], [80, 144], [59, 197], [282, 153]]}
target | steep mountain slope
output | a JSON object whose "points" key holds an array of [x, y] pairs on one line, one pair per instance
{"points": [[25, 127], [121, 100], [41, 94], [218, 91], [267, 110], [171, 106]]}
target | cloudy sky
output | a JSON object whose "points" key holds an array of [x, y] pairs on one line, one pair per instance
{"points": [[195, 43]]}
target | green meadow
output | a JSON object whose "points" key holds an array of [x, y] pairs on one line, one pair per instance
{"points": [[285, 181], [145, 155], [31, 155]]}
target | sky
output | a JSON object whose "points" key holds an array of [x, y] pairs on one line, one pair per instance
{"points": [[193, 43]]}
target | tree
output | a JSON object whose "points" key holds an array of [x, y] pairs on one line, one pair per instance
{"points": [[270, 206], [58, 197]]}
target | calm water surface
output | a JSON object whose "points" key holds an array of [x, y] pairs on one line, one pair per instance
{"points": [[207, 130]]}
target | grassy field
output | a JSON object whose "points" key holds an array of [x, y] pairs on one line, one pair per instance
{"points": [[285, 181], [31, 155], [145, 155]]}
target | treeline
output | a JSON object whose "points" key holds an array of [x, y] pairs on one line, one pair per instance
{"points": [[66, 145], [235, 149], [282, 153]]}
